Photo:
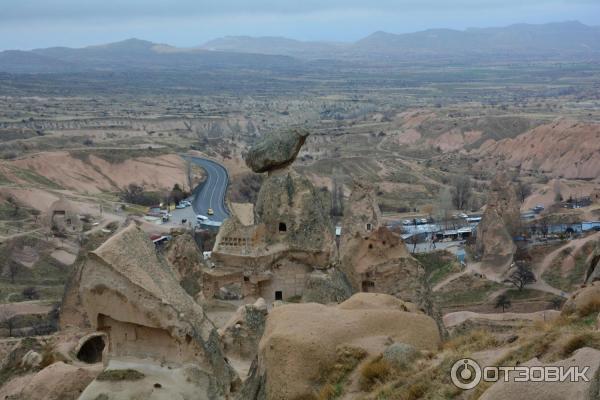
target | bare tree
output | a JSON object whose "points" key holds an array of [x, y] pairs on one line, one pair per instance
{"points": [[520, 276], [503, 301], [557, 193], [523, 190], [462, 190], [7, 320]]}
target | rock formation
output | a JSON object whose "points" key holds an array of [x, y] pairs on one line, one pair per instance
{"points": [[584, 301], [499, 224], [126, 291], [374, 258], [276, 151], [292, 233], [301, 343], [183, 256], [241, 334]]}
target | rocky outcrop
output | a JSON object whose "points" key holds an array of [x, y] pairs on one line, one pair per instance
{"points": [[292, 235], [330, 286], [499, 224], [584, 301], [126, 291], [183, 256], [241, 334], [276, 151], [293, 215], [379, 262], [300, 341]]}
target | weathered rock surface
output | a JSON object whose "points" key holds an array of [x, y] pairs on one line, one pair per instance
{"points": [[499, 224], [301, 341], [276, 151], [185, 258], [379, 262], [372, 257], [583, 301], [584, 357], [128, 292], [330, 286], [241, 334], [58, 381]]}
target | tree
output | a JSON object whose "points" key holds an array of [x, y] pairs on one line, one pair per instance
{"points": [[557, 302], [444, 204], [30, 293], [177, 194], [523, 190], [6, 320], [503, 301], [15, 205], [520, 276], [557, 193], [462, 190]]}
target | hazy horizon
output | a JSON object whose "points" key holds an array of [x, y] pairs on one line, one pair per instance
{"points": [[30, 24]]}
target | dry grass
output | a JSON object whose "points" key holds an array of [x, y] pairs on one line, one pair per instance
{"points": [[589, 308], [347, 360], [373, 372], [473, 341], [587, 339]]}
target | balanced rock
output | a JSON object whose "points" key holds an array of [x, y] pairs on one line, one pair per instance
{"points": [[276, 151]]}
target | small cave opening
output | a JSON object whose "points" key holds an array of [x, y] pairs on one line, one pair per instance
{"points": [[91, 351], [282, 227]]}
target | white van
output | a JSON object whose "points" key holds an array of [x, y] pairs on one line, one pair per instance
{"points": [[201, 217]]}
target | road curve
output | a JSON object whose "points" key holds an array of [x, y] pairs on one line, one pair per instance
{"points": [[211, 192]]}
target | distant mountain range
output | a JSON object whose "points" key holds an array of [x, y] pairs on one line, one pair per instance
{"points": [[566, 41], [520, 41]]}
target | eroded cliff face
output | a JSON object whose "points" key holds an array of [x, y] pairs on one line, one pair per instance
{"points": [[499, 224], [126, 291]]}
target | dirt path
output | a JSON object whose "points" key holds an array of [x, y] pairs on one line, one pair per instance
{"points": [[540, 268]]}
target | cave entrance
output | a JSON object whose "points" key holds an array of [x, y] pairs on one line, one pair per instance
{"points": [[282, 227], [366, 285], [91, 351], [278, 295]]}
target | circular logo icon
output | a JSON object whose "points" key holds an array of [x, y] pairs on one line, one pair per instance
{"points": [[465, 374]]}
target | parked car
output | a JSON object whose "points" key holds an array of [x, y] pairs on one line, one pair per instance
{"points": [[210, 211], [180, 206], [186, 203], [201, 217]]}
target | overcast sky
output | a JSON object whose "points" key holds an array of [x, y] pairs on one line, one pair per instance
{"points": [[26, 24]]}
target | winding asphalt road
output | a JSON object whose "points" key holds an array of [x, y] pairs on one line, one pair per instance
{"points": [[211, 192]]}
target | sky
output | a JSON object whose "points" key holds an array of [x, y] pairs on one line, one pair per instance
{"points": [[28, 24]]}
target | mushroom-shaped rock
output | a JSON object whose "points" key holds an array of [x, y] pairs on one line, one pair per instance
{"points": [[276, 151]]}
